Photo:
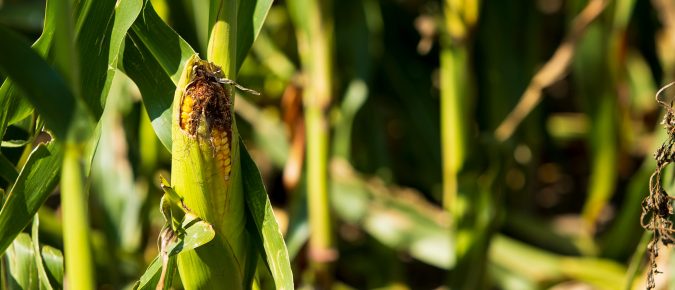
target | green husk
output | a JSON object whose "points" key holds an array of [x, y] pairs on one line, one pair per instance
{"points": [[206, 192]]}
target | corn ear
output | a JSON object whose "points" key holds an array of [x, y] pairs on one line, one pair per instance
{"points": [[205, 172]]}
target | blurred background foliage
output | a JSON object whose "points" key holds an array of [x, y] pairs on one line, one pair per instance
{"points": [[552, 103]]}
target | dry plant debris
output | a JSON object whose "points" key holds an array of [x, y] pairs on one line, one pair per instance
{"points": [[657, 208]]}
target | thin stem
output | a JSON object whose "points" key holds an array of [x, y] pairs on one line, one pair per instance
{"points": [[76, 232], [76, 222], [552, 71], [452, 124], [314, 30]]}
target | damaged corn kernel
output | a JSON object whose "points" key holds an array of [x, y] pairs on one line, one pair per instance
{"points": [[205, 112], [203, 121]]}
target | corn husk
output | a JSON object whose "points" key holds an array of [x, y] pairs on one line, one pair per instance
{"points": [[205, 172]]}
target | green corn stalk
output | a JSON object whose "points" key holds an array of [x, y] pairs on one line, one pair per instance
{"points": [[470, 233], [314, 30], [205, 172]]}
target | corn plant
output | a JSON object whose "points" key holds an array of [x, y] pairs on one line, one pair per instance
{"points": [[462, 144], [220, 232]]}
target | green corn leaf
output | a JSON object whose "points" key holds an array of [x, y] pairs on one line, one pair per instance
{"points": [[274, 250], [21, 266], [45, 88], [22, 15], [41, 271], [14, 143], [192, 234], [99, 43], [53, 259], [154, 57], [151, 276], [42, 86], [17, 107], [36, 180], [197, 233], [7, 169], [397, 223], [161, 42], [250, 19]]}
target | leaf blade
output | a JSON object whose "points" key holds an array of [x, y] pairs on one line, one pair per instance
{"points": [[36, 180], [21, 266], [99, 42], [250, 19], [274, 249], [41, 84], [154, 57]]}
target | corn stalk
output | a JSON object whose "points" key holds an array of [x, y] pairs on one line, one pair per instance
{"points": [[314, 30]]}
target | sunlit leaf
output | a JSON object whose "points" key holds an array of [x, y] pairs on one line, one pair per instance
{"points": [[41, 272], [274, 250], [193, 233], [100, 33], [21, 264], [197, 233], [53, 259], [37, 179], [399, 224], [250, 19], [153, 58], [150, 278]]}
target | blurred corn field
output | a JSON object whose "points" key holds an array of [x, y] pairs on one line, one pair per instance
{"points": [[452, 144]]}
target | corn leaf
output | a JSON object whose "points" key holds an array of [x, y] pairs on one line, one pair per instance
{"points": [[153, 58], [99, 43], [7, 169], [41, 271], [36, 180], [250, 19], [151, 276], [17, 107], [196, 233], [53, 260], [273, 250], [21, 267], [45, 88], [397, 223]]}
